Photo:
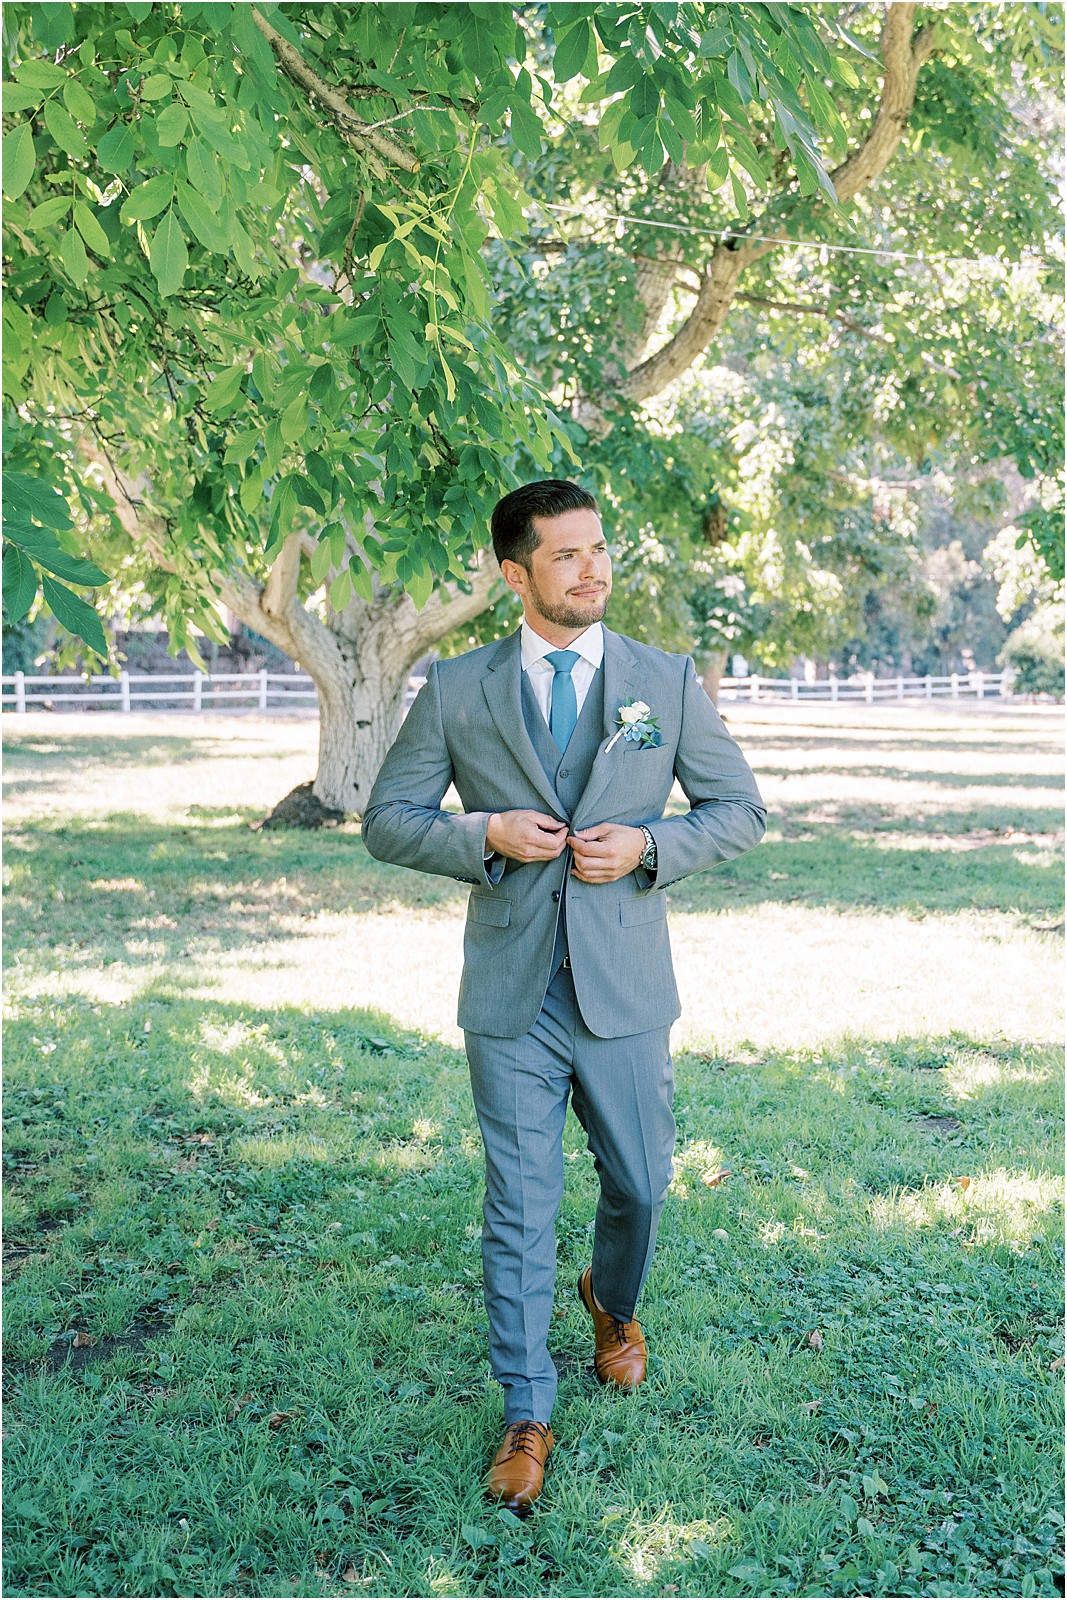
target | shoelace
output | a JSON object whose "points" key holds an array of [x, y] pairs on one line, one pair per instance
{"points": [[521, 1439], [620, 1331]]}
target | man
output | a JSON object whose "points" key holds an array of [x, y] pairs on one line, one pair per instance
{"points": [[563, 741]]}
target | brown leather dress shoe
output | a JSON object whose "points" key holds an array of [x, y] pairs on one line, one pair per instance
{"points": [[518, 1472], [620, 1354]]}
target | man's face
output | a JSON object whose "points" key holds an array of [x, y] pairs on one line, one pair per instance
{"points": [[569, 578]]}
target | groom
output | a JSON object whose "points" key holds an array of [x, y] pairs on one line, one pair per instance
{"points": [[563, 741]]}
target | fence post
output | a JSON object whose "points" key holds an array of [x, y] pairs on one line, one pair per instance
{"points": [[929, 687], [753, 686], [198, 690], [868, 688], [833, 686], [900, 688], [20, 691], [979, 685], [954, 680], [263, 689], [795, 692], [124, 690]]}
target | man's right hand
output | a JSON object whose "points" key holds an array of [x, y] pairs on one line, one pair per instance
{"points": [[526, 835]]}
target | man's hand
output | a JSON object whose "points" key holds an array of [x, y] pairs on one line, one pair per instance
{"points": [[607, 852], [526, 835]]}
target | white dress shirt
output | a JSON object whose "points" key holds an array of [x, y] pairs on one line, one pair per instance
{"points": [[590, 648]]}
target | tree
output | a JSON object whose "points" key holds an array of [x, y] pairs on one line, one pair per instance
{"points": [[251, 324]]}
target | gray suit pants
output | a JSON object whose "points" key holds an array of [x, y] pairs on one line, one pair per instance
{"points": [[622, 1091]]}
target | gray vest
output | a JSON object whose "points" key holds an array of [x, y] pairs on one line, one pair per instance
{"points": [[567, 772]]}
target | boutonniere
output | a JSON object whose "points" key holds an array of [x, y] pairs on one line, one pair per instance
{"points": [[636, 725]]}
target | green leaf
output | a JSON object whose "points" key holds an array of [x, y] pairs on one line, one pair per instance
{"points": [[203, 223], [737, 73], [420, 586], [283, 508], [26, 497], [168, 254], [525, 124], [40, 75], [740, 197], [16, 98], [341, 590], [148, 199], [78, 101], [716, 41], [116, 148], [294, 419], [20, 583], [223, 388], [20, 158], [49, 212], [156, 86], [172, 126], [571, 51], [203, 172], [90, 229], [72, 254], [74, 613], [241, 445], [46, 550], [64, 130]]}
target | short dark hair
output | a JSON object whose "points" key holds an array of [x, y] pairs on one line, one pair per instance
{"points": [[514, 535]]}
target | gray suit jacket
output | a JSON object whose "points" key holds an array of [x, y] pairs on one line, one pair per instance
{"points": [[466, 726]]}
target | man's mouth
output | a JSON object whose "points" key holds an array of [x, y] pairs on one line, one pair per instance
{"points": [[586, 594]]}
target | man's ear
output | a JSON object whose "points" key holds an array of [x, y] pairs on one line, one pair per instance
{"points": [[514, 575]]}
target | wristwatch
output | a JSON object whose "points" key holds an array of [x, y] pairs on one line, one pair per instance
{"points": [[648, 860]]}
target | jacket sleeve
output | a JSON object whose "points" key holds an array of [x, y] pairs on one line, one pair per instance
{"points": [[727, 815], [404, 823]]}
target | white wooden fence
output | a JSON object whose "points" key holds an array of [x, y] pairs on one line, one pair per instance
{"points": [[265, 691], [868, 688], [272, 691]]}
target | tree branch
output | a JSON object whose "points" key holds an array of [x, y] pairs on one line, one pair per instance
{"points": [[833, 315], [901, 61], [279, 592], [355, 129]]}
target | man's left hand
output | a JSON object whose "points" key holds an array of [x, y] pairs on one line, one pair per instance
{"points": [[607, 852]]}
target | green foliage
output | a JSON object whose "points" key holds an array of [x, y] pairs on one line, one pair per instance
{"points": [[1034, 650], [275, 316]]}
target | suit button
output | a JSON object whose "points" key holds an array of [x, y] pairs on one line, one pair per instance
{"points": [[563, 772], [555, 894]]}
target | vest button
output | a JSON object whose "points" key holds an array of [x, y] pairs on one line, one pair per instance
{"points": [[564, 773], [555, 894]]}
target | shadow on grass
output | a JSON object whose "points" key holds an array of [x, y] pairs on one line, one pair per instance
{"points": [[295, 1198], [130, 889]]}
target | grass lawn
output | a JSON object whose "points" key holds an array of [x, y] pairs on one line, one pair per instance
{"points": [[245, 1342]]}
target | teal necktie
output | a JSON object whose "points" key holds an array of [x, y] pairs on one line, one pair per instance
{"points": [[564, 712]]}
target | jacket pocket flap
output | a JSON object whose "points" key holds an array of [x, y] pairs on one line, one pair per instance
{"points": [[640, 909], [482, 908]]}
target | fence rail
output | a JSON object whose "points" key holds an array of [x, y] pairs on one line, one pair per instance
{"points": [[268, 691], [868, 688]]}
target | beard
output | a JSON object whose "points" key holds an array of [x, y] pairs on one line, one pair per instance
{"points": [[569, 613]]}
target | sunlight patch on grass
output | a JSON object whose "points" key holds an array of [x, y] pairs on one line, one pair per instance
{"points": [[233, 1037], [647, 1545], [973, 1070], [209, 1083], [1000, 1206], [280, 1149]]}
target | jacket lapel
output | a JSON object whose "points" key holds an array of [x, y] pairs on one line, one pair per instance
{"points": [[502, 687], [620, 684]]}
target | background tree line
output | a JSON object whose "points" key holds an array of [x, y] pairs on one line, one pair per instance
{"points": [[295, 292]]}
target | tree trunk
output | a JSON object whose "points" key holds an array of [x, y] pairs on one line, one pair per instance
{"points": [[361, 681], [713, 674]]}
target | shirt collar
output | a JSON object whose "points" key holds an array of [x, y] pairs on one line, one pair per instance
{"points": [[589, 645]]}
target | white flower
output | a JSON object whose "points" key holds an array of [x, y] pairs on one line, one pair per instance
{"points": [[635, 713]]}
